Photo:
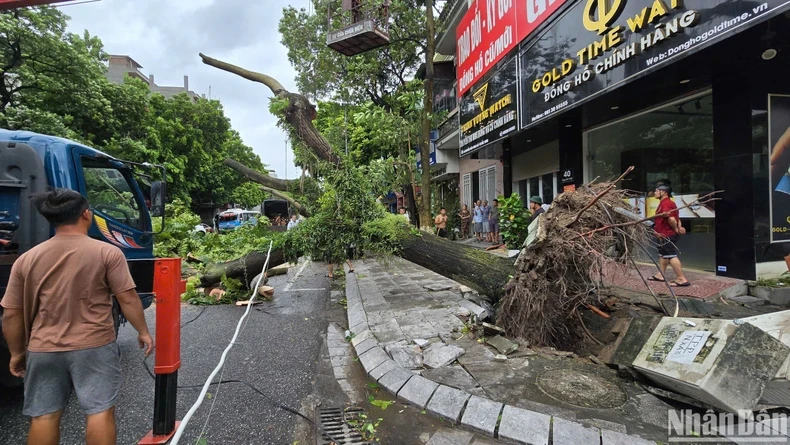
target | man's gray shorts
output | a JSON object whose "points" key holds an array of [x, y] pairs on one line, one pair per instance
{"points": [[94, 374]]}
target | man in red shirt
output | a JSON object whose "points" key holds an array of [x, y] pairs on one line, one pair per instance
{"points": [[668, 231]]}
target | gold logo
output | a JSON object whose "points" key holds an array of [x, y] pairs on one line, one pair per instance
{"points": [[599, 14], [480, 96]]}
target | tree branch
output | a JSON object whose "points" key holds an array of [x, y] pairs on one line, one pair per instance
{"points": [[704, 200], [269, 81], [598, 196], [299, 207], [254, 176]]}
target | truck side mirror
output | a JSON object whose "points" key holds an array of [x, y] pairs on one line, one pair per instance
{"points": [[158, 194]]}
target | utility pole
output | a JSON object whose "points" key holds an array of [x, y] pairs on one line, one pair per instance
{"points": [[286, 158]]}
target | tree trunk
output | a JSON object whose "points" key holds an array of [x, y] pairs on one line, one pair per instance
{"points": [[425, 151], [482, 271], [247, 266], [255, 176]]}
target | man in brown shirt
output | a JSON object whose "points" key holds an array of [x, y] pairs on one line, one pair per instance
{"points": [[58, 322]]}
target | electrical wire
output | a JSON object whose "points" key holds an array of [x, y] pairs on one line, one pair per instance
{"points": [[182, 426], [248, 385]]}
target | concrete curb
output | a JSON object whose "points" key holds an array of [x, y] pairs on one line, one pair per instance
{"points": [[478, 414]]}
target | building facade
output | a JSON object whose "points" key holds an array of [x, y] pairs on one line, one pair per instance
{"points": [[120, 66], [566, 91]]}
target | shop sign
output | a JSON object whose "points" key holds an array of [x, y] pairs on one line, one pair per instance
{"points": [[779, 171], [488, 112], [601, 44], [490, 29]]}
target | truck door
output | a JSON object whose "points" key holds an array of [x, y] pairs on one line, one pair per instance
{"points": [[117, 203]]}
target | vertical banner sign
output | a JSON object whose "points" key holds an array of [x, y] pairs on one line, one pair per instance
{"points": [[779, 171], [486, 34]]}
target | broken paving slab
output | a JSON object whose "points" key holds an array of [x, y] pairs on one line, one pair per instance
{"points": [[452, 375], [439, 355], [482, 414], [503, 345], [448, 403], [409, 357], [523, 426], [417, 391]]}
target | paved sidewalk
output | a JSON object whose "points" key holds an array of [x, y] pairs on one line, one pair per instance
{"points": [[704, 285], [527, 398]]}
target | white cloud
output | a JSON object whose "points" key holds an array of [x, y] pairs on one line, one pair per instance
{"points": [[166, 37]]}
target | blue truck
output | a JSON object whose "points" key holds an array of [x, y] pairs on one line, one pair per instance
{"points": [[123, 195]]}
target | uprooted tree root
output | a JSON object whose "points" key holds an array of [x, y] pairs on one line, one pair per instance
{"points": [[561, 269]]}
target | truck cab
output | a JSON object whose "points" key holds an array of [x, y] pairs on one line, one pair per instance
{"points": [[120, 199]]}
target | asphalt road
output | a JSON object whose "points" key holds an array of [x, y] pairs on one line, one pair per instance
{"points": [[280, 351]]}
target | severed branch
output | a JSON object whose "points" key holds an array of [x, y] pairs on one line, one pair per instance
{"points": [[260, 178], [704, 200], [294, 203], [269, 81], [598, 196]]}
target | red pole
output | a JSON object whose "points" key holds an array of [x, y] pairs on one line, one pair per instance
{"points": [[168, 287]]}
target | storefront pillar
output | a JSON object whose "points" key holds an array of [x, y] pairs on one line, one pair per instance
{"points": [[571, 145], [732, 173], [507, 168]]}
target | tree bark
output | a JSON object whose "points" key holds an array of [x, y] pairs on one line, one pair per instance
{"points": [[425, 151], [282, 185], [299, 114], [249, 265], [483, 272]]}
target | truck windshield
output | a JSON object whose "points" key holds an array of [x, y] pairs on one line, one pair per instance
{"points": [[110, 193]]}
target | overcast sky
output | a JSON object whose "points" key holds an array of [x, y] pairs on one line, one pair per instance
{"points": [[165, 37]]}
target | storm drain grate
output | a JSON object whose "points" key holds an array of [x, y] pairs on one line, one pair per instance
{"points": [[332, 421]]}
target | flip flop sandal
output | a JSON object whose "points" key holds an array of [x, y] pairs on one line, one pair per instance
{"points": [[350, 270], [653, 278], [676, 284]]}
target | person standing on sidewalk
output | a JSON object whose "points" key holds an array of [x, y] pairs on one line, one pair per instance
{"points": [[59, 326], [668, 230], [441, 223], [486, 210], [465, 218], [493, 222], [536, 207], [478, 220]]}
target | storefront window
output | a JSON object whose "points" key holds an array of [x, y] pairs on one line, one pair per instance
{"points": [[674, 142]]}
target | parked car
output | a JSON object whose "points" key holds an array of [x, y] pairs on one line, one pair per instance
{"points": [[203, 228]]}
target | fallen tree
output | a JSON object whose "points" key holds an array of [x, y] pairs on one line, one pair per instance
{"points": [[553, 277]]}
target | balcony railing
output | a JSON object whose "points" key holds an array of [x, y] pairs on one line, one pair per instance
{"points": [[449, 125]]}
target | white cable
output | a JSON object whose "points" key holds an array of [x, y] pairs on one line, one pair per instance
{"points": [[191, 412]]}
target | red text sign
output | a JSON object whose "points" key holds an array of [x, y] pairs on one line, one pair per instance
{"points": [[531, 13], [485, 35], [11, 4]]}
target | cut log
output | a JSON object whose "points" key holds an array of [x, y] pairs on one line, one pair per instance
{"points": [[250, 264], [483, 272]]}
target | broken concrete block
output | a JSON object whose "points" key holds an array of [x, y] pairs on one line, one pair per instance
{"points": [[421, 342], [409, 357], [465, 289], [461, 312], [500, 358], [439, 355], [777, 325], [479, 312], [490, 329], [633, 335], [719, 362], [503, 345]]}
